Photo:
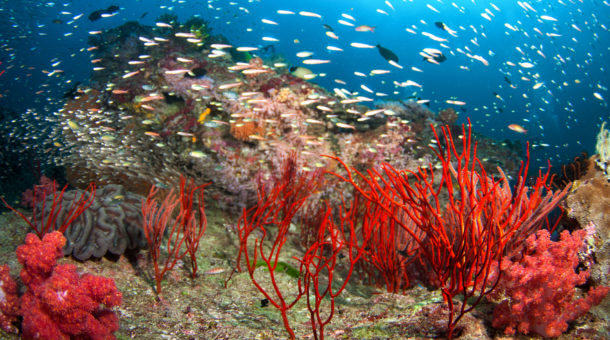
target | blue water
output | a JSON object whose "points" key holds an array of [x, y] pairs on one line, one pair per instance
{"points": [[561, 113]]}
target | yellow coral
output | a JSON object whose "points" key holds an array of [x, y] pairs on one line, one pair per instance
{"points": [[603, 144], [603, 150], [284, 95]]}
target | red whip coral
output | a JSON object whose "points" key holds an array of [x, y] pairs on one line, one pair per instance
{"points": [[38, 194], [59, 303], [461, 221], [539, 288]]}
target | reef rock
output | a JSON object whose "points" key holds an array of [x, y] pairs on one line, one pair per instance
{"points": [[589, 203]]}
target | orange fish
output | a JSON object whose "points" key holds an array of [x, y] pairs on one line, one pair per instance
{"points": [[517, 128], [214, 271], [152, 134], [365, 28]]}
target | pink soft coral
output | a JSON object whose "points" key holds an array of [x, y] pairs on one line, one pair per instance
{"points": [[59, 303], [538, 290]]}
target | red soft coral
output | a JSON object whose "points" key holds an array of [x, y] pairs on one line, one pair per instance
{"points": [[59, 303], [9, 301], [39, 258], [538, 290]]}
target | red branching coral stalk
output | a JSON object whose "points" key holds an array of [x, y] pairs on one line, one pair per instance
{"points": [[271, 218], [345, 242], [194, 221], [156, 218], [467, 219], [393, 249], [43, 224]]}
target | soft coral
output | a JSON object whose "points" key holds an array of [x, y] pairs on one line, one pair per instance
{"points": [[59, 303], [538, 289]]}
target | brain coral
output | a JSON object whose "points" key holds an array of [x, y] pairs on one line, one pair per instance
{"points": [[111, 224]]}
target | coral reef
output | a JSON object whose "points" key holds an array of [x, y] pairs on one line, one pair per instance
{"points": [[59, 303], [174, 100], [537, 291], [214, 118], [111, 224]]}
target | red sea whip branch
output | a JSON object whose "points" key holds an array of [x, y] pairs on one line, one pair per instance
{"points": [[194, 222], [466, 237], [155, 220], [46, 223], [349, 236], [274, 213]]}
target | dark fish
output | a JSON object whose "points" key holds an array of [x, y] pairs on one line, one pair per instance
{"points": [[172, 99], [328, 28], [72, 92], [97, 15], [143, 15], [387, 54], [268, 49], [438, 57], [507, 80], [440, 25], [197, 72], [57, 21]]}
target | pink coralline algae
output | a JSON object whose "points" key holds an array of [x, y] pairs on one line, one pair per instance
{"points": [[538, 290], [58, 302]]}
